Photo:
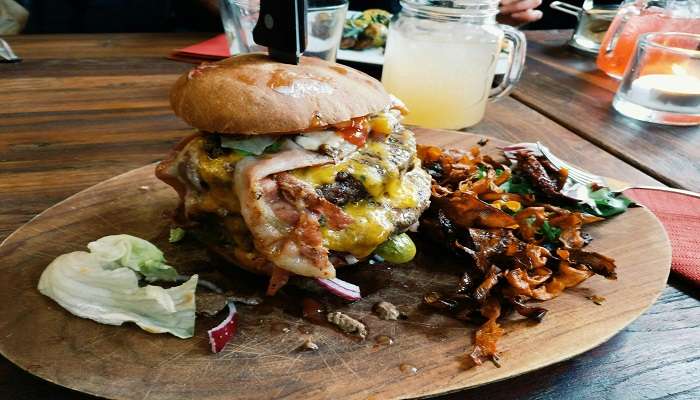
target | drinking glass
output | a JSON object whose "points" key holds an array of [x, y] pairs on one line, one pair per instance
{"points": [[239, 18], [324, 27], [441, 56], [636, 17], [662, 81], [594, 20]]}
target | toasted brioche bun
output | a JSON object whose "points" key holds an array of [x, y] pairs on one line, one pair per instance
{"points": [[252, 94]]}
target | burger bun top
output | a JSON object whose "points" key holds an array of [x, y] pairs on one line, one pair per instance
{"points": [[252, 94]]}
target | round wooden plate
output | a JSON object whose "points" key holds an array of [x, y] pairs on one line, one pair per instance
{"points": [[263, 361]]}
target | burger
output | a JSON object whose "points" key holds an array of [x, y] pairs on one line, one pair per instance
{"points": [[293, 169]]}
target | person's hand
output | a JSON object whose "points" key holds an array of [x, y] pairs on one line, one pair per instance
{"points": [[518, 12]]}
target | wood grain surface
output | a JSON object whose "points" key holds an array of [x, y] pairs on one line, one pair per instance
{"points": [[53, 151], [264, 362], [566, 86]]}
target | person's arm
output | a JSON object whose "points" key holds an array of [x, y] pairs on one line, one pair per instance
{"points": [[518, 12]]}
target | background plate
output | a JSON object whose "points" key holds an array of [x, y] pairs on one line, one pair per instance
{"points": [[263, 361], [374, 55]]}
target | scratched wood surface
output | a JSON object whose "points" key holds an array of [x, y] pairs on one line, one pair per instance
{"points": [[107, 113], [263, 361]]}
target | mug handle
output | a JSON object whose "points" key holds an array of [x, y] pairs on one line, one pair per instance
{"points": [[613, 34], [516, 62], [566, 8]]}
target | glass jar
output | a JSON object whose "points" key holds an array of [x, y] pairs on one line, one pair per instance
{"points": [[441, 56], [636, 17], [593, 21]]}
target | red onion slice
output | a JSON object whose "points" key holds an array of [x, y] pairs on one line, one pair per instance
{"points": [[509, 151], [341, 288], [224, 332]]}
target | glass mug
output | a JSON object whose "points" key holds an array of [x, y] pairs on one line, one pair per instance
{"points": [[440, 60]]}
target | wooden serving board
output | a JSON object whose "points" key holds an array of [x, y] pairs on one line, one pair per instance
{"points": [[263, 361]]}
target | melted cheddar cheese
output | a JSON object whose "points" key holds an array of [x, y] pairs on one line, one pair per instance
{"points": [[377, 166], [372, 225]]}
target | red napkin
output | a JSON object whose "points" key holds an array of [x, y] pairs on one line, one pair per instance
{"points": [[215, 48], [680, 215]]}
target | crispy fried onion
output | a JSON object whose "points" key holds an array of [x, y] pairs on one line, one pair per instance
{"points": [[486, 337], [517, 247], [466, 209]]}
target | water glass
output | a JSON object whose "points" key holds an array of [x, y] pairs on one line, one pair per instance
{"points": [[239, 18], [324, 20], [662, 81]]}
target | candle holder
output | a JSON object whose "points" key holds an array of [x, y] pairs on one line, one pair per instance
{"points": [[662, 82]]}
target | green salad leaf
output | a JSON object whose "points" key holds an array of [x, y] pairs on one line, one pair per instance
{"points": [[176, 234], [605, 203], [103, 285], [131, 252], [517, 184]]}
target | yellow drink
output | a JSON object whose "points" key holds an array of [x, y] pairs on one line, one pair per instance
{"points": [[445, 81]]}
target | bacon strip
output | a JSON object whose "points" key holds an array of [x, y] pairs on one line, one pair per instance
{"points": [[278, 279], [282, 213], [304, 196]]}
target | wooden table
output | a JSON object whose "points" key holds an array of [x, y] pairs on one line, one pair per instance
{"points": [[82, 108]]}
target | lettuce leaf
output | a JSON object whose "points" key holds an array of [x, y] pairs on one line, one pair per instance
{"points": [[517, 184], [176, 234], [135, 253], [605, 203], [103, 285], [249, 145]]}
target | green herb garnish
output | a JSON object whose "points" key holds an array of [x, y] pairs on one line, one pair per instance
{"points": [[551, 233], [481, 172], [517, 184]]}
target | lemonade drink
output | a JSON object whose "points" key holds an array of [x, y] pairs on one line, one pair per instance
{"points": [[445, 81]]}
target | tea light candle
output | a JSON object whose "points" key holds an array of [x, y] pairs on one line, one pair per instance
{"points": [[674, 93]]}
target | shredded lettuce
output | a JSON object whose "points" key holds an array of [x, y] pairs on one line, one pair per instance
{"points": [[250, 145], [129, 251], [103, 285]]}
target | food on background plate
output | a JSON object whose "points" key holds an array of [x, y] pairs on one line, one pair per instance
{"points": [[295, 169], [518, 233], [103, 285], [366, 30]]}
